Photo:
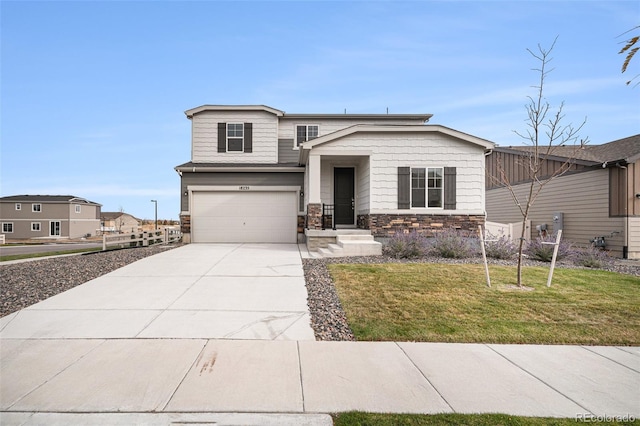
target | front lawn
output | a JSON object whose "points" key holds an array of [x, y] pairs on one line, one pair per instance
{"points": [[451, 303], [371, 419]]}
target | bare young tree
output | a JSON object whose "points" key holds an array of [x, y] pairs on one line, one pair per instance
{"points": [[546, 136]]}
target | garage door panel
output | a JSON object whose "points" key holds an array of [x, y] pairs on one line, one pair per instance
{"points": [[227, 216]]}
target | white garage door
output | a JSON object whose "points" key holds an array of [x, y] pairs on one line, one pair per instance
{"points": [[244, 217]]}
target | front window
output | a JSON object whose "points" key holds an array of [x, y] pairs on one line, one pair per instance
{"points": [[7, 228], [306, 132], [36, 207], [235, 136], [427, 187], [78, 208], [35, 226], [18, 206]]}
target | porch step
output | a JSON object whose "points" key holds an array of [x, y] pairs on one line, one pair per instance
{"points": [[352, 245]]}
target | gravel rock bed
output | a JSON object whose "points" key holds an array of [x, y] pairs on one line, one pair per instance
{"points": [[26, 283], [328, 319]]}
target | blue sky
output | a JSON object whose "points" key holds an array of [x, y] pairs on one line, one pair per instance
{"points": [[93, 93]]}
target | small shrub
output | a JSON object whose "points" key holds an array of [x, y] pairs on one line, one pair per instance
{"points": [[454, 244], [592, 257], [536, 250], [502, 248], [406, 245]]}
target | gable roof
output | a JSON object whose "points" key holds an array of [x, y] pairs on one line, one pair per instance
{"points": [[48, 199], [625, 150], [115, 215], [193, 111], [378, 128]]}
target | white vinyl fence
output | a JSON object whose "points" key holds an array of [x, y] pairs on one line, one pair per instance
{"points": [[510, 230], [141, 239]]}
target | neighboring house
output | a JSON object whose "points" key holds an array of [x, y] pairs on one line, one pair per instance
{"points": [[598, 197], [258, 174], [119, 222], [48, 216]]}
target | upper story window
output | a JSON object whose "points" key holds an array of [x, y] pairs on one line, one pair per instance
{"points": [[427, 187], [235, 137], [78, 208], [18, 206], [36, 208], [306, 132]]}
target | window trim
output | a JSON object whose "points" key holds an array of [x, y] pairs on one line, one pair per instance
{"points": [[235, 137], [36, 210], [8, 225], [33, 227], [18, 206], [296, 144], [426, 187], [78, 208]]}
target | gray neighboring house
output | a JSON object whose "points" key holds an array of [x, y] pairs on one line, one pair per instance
{"points": [[258, 174], [598, 197], [48, 216]]}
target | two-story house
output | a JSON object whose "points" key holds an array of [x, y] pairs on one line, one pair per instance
{"points": [[258, 174], [48, 216]]}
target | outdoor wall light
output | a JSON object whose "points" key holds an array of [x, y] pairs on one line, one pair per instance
{"points": [[638, 195]]}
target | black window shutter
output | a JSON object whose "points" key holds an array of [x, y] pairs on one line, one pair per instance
{"points": [[404, 187], [449, 188], [222, 137], [248, 137]]}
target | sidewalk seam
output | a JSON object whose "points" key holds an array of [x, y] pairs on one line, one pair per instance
{"points": [[195, 361], [609, 359], [58, 373], [425, 377], [304, 409], [539, 379]]}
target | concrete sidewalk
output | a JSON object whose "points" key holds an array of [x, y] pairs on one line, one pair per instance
{"points": [[148, 344]]}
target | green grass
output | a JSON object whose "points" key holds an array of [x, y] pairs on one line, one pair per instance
{"points": [[451, 303], [369, 419], [51, 253]]}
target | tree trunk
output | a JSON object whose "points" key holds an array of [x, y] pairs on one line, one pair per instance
{"points": [[521, 248]]}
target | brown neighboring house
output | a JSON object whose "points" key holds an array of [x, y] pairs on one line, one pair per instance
{"points": [[48, 216], [118, 222], [598, 197]]}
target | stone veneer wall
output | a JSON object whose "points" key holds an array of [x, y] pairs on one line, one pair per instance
{"points": [[185, 224], [385, 225], [314, 216]]}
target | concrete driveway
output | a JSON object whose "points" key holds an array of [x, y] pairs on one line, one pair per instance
{"points": [[210, 291]]}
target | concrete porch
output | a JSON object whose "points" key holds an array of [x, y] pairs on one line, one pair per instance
{"points": [[341, 243]]}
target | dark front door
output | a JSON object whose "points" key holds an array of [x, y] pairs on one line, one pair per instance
{"points": [[343, 194]]}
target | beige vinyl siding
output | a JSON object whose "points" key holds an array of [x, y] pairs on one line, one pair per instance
{"points": [[582, 197], [634, 237], [389, 151], [205, 137]]}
